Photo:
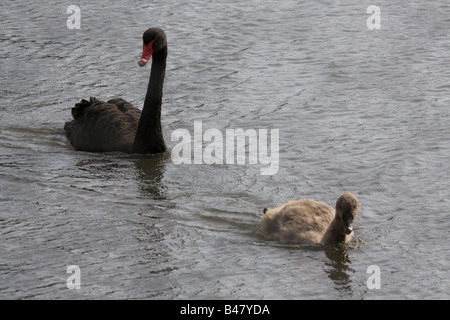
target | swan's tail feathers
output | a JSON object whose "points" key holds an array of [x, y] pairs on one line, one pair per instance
{"points": [[78, 110], [68, 127]]}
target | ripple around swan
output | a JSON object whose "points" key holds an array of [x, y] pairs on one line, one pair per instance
{"points": [[358, 110]]}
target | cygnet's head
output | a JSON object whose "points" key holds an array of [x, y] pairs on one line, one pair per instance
{"points": [[347, 207]]}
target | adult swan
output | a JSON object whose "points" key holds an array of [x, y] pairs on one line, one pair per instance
{"points": [[117, 125]]}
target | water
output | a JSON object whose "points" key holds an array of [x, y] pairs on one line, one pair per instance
{"points": [[359, 110]]}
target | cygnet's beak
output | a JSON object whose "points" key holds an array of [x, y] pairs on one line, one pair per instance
{"points": [[348, 229]]}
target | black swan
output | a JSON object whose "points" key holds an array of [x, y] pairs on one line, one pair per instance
{"points": [[312, 221], [116, 125]]}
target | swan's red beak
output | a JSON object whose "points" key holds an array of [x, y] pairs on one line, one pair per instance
{"points": [[147, 52]]}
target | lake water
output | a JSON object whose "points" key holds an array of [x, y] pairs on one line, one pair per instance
{"points": [[358, 109]]}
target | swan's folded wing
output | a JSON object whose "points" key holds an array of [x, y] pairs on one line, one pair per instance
{"points": [[125, 107], [101, 126]]}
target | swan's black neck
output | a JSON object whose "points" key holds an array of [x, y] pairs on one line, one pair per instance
{"points": [[149, 137]]}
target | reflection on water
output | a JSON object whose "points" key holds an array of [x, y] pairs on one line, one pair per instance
{"points": [[150, 174], [339, 269]]}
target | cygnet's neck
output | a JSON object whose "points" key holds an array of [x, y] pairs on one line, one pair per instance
{"points": [[335, 232]]}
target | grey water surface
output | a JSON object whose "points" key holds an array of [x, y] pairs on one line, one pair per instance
{"points": [[358, 109]]}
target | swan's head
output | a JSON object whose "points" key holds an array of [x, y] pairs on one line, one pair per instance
{"points": [[347, 207], [154, 40]]}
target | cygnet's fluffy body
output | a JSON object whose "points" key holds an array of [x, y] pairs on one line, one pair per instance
{"points": [[312, 221]]}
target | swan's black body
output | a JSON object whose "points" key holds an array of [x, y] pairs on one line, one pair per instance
{"points": [[116, 125]]}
